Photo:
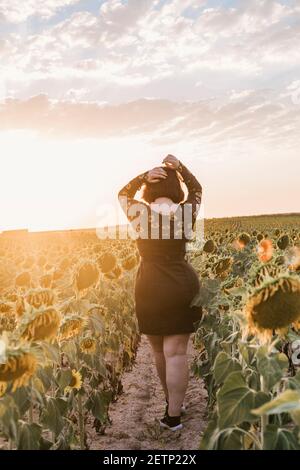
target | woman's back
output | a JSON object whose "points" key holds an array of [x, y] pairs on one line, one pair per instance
{"points": [[165, 234]]}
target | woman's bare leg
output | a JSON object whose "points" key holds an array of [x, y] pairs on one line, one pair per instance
{"points": [[160, 362], [177, 370]]}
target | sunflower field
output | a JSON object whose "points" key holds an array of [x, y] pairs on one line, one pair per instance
{"points": [[68, 332], [248, 347]]}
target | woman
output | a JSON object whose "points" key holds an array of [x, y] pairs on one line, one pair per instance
{"points": [[166, 283]]}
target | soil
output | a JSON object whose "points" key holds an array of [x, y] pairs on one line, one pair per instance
{"points": [[136, 413]]}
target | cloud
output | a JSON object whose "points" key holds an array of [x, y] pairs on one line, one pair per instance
{"points": [[154, 49], [249, 18], [244, 146], [14, 11], [262, 118], [223, 81], [76, 94]]}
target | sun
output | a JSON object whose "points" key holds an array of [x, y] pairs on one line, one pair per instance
{"points": [[52, 183]]}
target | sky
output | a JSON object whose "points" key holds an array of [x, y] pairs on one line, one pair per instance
{"points": [[94, 92]]}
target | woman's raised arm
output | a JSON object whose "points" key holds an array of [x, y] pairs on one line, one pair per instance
{"points": [[194, 187], [127, 193]]}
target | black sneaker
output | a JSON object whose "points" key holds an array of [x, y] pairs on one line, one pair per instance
{"points": [[173, 423]]}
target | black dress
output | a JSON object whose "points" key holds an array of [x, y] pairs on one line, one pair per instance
{"points": [[165, 282]]}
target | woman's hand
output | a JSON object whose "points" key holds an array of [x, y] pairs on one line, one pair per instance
{"points": [[156, 174], [171, 162]]}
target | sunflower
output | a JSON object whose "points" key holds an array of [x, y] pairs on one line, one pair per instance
{"points": [[46, 281], [71, 327], [114, 274], [263, 272], [75, 383], [7, 323], [99, 310], [86, 276], [39, 297], [6, 307], [107, 262], [41, 325], [265, 250], [280, 260], [243, 240], [283, 242], [12, 297], [293, 259], [23, 280], [18, 368], [274, 305], [209, 246], [129, 263], [222, 266], [88, 345]]}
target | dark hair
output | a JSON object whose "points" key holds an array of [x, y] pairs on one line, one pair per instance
{"points": [[169, 187]]}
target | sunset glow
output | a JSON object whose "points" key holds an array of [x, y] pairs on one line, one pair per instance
{"points": [[92, 93]]}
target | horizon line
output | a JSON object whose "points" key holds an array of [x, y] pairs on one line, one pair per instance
{"points": [[76, 229]]}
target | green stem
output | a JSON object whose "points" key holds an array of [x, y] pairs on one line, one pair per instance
{"points": [[233, 345], [81, 423], [264, 419], [31, 403], [52, 394], [80, 411]]}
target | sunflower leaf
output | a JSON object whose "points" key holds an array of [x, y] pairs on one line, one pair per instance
{"points": [[288, 401], [279, 439], [236, 400], [224, 365], [29, 436]]}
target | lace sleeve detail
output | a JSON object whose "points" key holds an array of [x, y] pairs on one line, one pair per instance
{"points": [[194, 190], [127, 193]]}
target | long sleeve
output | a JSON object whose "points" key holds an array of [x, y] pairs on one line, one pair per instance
{"points": [[127, 193], [194, 190]]}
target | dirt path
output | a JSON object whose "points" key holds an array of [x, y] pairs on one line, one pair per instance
{"points": [[136, 413]]}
